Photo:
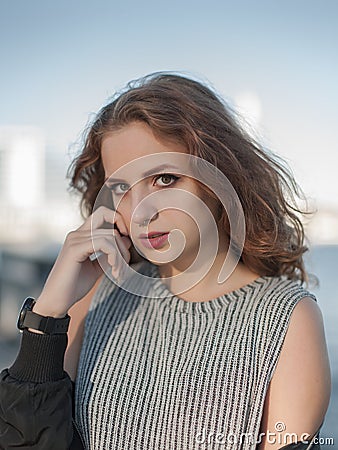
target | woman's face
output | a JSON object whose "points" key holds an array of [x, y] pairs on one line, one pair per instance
{"points": [[132, 182]]}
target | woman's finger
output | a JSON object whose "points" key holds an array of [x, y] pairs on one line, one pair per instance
{"points": [[122, 245], [102, 215]]}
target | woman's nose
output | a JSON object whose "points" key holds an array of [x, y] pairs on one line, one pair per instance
{"points": [[143, 210]]}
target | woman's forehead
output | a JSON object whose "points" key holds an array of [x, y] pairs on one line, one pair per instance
{"points": [[137, 139], [134, 150]]}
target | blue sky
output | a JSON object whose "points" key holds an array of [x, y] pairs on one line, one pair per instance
{"points": [[61, 60]]}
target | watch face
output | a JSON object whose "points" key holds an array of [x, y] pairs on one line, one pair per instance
{"points": [[27, 306]]}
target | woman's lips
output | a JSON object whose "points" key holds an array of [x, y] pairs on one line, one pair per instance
{"points": [[154, 239]]}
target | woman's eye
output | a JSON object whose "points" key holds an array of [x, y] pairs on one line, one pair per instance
{"points": [[167, 179], [119, 188]]}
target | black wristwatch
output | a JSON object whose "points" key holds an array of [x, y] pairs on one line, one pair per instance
{"points": [[49, 325]]}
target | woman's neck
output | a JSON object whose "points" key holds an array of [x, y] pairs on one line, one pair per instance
{"points": [[202, 282]]}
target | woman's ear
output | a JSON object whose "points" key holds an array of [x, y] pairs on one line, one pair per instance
{"points": [[104, 198]]}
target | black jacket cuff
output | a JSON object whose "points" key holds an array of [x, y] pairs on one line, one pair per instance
{"points": [[40, 358]]}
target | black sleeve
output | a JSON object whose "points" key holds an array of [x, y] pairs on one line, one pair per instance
{"points": [[36, 397]]}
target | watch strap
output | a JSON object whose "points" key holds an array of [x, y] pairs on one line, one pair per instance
{"points": [[46, 324]]}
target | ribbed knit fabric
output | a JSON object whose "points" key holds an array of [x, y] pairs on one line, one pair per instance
{"points": [[40, 358], [164, 373]]}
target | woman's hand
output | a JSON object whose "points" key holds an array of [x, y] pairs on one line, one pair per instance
{"points": [[74, 274]]}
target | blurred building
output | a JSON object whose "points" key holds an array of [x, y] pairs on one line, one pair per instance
{"points": [[22, 152], [36, 212], [34, 202], [322, 228], [21, 167], [22, 160]]}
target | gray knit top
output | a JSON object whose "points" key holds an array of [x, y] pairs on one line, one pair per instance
{"points": [[163, 373]]}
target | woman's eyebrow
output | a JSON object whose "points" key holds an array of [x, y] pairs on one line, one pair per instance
{"points": [[158, 168], [146, 174]]}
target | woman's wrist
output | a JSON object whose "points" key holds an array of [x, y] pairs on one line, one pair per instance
{"points": [[45, 307]]}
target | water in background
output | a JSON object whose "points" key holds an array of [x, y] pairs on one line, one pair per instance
{"points": [[323, 262]]}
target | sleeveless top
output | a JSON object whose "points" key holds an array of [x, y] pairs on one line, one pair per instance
{"points": [[167, 374]]}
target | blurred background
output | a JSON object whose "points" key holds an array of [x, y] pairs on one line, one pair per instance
{"points": [[275, 62]]}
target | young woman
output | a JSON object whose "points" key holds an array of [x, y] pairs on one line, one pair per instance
{"points": [[190, 326]]}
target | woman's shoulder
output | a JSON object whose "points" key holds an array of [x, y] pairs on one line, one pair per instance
{"points": [[271, 303], [302, 375], [277, 291]]}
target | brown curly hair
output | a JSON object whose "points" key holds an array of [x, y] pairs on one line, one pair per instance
{"points": [[188, 111]]}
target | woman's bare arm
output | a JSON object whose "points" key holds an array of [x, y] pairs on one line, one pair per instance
{"points": [[299, 391], [78, 313]]}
